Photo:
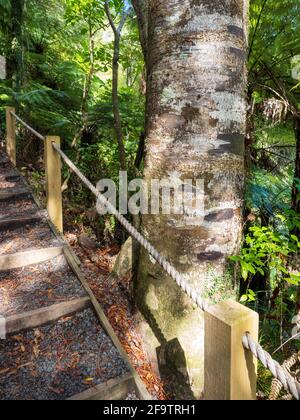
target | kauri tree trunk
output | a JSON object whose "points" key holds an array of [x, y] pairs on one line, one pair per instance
{"points": [[196, 121]]}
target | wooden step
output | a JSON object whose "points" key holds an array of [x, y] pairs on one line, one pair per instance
{"points": [[38, 317], [26, 258], [115, 389], [12, 196], [12, 178], [22, 220], [4, 161]]}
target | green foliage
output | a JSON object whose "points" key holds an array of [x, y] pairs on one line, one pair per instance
{"points": [[267, 249], [57, 65]]}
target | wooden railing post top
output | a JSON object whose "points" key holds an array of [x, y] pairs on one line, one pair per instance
{"points": [[231, 312], [53, 139], [53, 182], [230, 370]]}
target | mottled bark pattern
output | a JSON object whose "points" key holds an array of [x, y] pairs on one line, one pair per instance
{"points": [[196, 121]]}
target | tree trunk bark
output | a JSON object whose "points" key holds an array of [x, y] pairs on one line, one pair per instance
{"points": [[295, 192], [250, 136], [17, 25], [116, 104], [141, 9], [196, 123], [115, 82]]}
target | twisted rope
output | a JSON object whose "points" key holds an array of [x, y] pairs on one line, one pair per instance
{"points": [[173, 273], [276, 384], [288, 382], [32, 130]]}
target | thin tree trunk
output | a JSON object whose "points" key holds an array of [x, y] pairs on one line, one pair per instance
{"points": [[249, 150], [15, 58], [196, 124], [296, 192], [115, 84], [86, 91], [84, 103], [141, 9], [116, 104]]}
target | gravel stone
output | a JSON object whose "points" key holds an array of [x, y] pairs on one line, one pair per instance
{"points": [[37, 286], [69, 357]]}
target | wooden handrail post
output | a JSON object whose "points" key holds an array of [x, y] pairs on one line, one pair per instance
{"points": [[230, 370], [11, 136], [53, 182]]}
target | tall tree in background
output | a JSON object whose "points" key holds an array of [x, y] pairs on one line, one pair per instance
{"points": [[18, 12], [117, 30], [12, 26], [196, 62]]}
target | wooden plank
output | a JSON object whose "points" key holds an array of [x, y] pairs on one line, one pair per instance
{"points": [[53, 182], [11, 135], [4, 161], [21, 221], [12, 177], [38, 317], [26, 258], [12, 196], [230, 370], [143, 393], [114, 389]]}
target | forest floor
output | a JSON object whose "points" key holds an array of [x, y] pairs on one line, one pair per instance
{"points": [[117, 303]]}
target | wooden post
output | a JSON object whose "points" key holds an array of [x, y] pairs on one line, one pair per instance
{"points": [[230, 370], [53, 182], [11, 136]]}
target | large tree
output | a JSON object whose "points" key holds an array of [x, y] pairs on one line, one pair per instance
{"points": [[195, 126]]}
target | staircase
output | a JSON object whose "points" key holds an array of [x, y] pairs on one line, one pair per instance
{"points": [[59, 345]]}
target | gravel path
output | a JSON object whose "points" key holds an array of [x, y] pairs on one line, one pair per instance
{"points": [[58, 361], [38, 286], [37, 235]]}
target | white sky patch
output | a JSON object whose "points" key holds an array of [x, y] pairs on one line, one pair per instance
{"points": [[107, 37]]}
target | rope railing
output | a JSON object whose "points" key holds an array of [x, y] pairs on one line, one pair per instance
{"points": [[289, 383], [173, 273], [32, 130]]}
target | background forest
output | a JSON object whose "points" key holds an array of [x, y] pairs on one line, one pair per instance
{"points": [[61, 55]]}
